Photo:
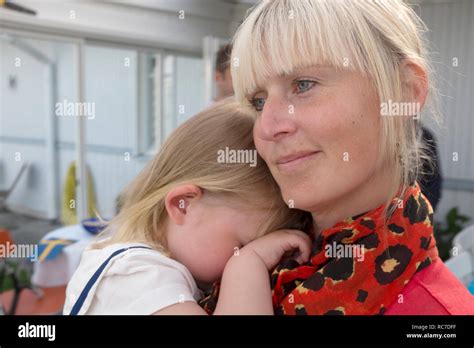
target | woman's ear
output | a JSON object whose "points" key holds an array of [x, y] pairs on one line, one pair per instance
{"points": [[178, 201], [415, 82]]}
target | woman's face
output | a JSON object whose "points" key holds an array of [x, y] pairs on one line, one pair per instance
{"points": [[318, 131]]}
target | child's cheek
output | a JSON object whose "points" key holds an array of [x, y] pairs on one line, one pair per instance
{"points": [[210, 267]]}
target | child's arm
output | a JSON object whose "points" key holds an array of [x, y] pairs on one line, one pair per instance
{"points": [[184, 308], [245, 286]]}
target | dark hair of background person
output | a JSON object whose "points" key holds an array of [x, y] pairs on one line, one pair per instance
{"points": [[223, 58], [431, 181]]}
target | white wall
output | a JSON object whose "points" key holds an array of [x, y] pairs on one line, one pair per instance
{"points": [[23, 125], [109, 84], [157, 23], [451, 28], [189, 69]]}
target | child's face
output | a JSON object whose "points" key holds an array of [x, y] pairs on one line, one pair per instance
{"points": [[210, 233]]}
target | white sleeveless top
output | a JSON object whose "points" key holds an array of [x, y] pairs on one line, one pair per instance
{"points": [[136, 281]]}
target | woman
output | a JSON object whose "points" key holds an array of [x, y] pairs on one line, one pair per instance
{"points": [[337, 87]]}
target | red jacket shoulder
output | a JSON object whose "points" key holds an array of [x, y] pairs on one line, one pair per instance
{"points": [[433, 291]]}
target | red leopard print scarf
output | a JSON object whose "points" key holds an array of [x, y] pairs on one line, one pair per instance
{"points": [[359, 266]]}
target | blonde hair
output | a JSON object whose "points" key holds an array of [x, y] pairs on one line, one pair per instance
{"points": [[372, 37], [190, 156]]}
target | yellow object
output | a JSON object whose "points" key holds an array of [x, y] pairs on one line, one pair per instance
{"points": [[69, 204]]}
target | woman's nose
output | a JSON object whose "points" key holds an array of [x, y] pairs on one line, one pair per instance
{"points": [[276, 120]]}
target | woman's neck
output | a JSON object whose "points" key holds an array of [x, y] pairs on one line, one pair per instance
{"points": [[373, 193]]}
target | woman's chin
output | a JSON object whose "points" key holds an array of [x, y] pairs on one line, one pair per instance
{"points": [[299, 201]]}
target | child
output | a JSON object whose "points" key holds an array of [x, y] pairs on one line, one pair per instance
{"points": [[191, 217]]}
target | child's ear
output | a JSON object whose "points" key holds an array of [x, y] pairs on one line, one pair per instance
{"points": [[178, 201]]}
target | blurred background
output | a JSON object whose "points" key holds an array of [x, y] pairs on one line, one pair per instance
{"points": [[90, 89]]}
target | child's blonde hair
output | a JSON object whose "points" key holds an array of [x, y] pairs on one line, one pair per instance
{"points": [[190, 156], [369, 36]]}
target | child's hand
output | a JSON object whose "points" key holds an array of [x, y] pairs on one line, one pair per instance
{"points": [[245, 286], [273, 246]]}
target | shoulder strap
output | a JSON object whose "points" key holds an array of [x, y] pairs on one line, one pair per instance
{"points": [[82, 297]]}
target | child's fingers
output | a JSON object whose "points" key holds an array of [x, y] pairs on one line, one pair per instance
{"points": [[302, 243], [304, 251]]}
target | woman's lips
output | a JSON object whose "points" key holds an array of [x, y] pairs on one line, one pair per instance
{"points": [[295, 160]]}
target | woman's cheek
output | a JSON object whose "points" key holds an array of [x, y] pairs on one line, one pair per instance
{"points": [[361, 144], [262, 148]]}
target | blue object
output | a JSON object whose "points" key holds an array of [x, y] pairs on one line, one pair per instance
{"points": [[49, 249], [470, 287], [93, 225]]}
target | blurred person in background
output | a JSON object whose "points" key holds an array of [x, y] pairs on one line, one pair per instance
{"points": [[222, 76]]}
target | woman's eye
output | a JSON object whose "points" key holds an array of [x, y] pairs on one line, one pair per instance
{"points": [[304, 85], [258, 103]]}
